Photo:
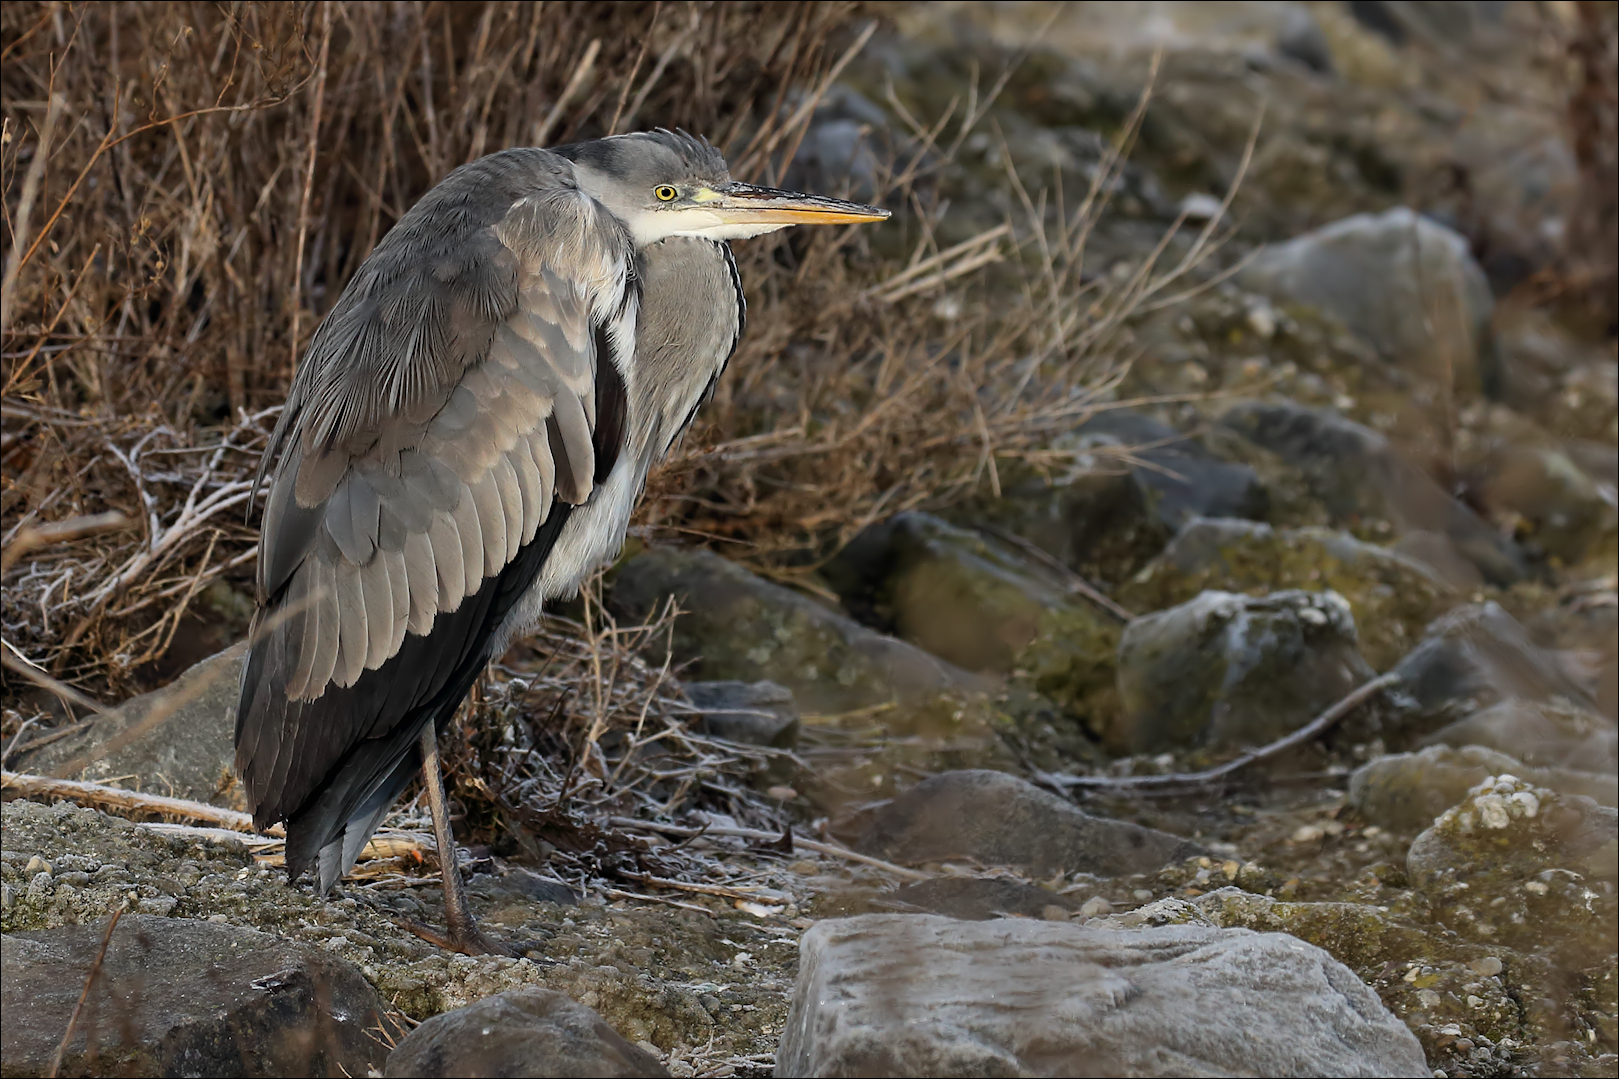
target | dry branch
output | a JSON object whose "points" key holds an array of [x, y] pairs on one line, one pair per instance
{"points": [[1214, 776], [100, 796]]}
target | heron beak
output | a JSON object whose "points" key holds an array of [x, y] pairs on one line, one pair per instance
{"points": [[744, 204]]}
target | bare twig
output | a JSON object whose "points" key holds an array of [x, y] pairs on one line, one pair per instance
{"points": [[309, 178], [581, 72], [89, 982], [1313, 729], [74, 528], [116, 798], [1074, 581], [14, 660], [831, 849]]}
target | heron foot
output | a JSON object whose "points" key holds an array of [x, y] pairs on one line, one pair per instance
{"points": [[468, 940]]}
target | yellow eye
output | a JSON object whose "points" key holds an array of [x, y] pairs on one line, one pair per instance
{"points": [[665, 193]]}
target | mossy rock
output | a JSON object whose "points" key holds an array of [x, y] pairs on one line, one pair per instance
{"points": [[982, 605], [1392, 597], [1225, 670]]}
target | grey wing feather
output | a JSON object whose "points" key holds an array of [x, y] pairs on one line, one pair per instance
{"points": [[445, 405]]}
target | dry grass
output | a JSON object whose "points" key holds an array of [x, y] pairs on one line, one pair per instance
{"points": [[187, 187]]}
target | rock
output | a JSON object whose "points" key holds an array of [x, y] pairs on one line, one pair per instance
{"points": [[1512, 831], [1230, 670], [1104, 519], [179, 740], [757, 713], [1100, 524], [980, 604], [1179, 477], [1519, 472], [978, 899], [1562, 510], [178, 997], [736, 625], [1403, 282], [519, 1033], [895, 994], [1392, 597], [999, 819], [523, 886], [1404, 792], [1435, 551], [1357, 474], [1549, 733], [1476, 655], [1443, 987], [645, 969], [1301, 38]]}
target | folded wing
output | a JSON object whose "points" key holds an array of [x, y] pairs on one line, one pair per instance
{"points": [[443, 423]]}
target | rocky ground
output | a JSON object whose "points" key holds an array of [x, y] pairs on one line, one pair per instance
{"points": [[1355, 451]]}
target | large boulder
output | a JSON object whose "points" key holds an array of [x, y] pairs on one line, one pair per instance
{"points": [[737, 626], [1551, 734], [518, 1034], [1225, 669], [1179, 477], [179, 997], [1509, 829], [980, 604], [1404, 792], [1131, 483], [755, 713], [997, 819], [1478, 655], [912, 994], [179, 739], [1357, 474], [1404, 282], [1392, 596]]}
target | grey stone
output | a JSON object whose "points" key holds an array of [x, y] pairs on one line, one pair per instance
{"points": [[1204, 543], [177, 997], [1565, 511], [1477, 655], [1228, 670], [1435, 551], [179, 740], [999, 819], [1301, 38], [520, 884], [1181, 479], [1552, 734], [979, 603], [517, 1034], [1405, 792], [1403, 282], [1356, 473], [1099, 523], [977, 899], [898, 994], [740, 626], [1393, 597], [1507, 830], [757, 713]]}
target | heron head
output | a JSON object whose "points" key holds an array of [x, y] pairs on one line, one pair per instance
{"points": [[667, 183]]}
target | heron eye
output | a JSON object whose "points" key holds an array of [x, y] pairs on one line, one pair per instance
{"points": [[665, 193]]}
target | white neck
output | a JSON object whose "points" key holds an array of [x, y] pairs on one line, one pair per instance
{"points": [[650, 226]]}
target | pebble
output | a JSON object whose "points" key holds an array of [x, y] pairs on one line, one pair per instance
{"points": [[1096, 907]]}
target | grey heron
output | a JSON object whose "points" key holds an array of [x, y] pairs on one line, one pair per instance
{"points": [[464, 441]]}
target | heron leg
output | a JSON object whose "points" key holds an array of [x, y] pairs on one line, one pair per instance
{"points": [[465, 936]]}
